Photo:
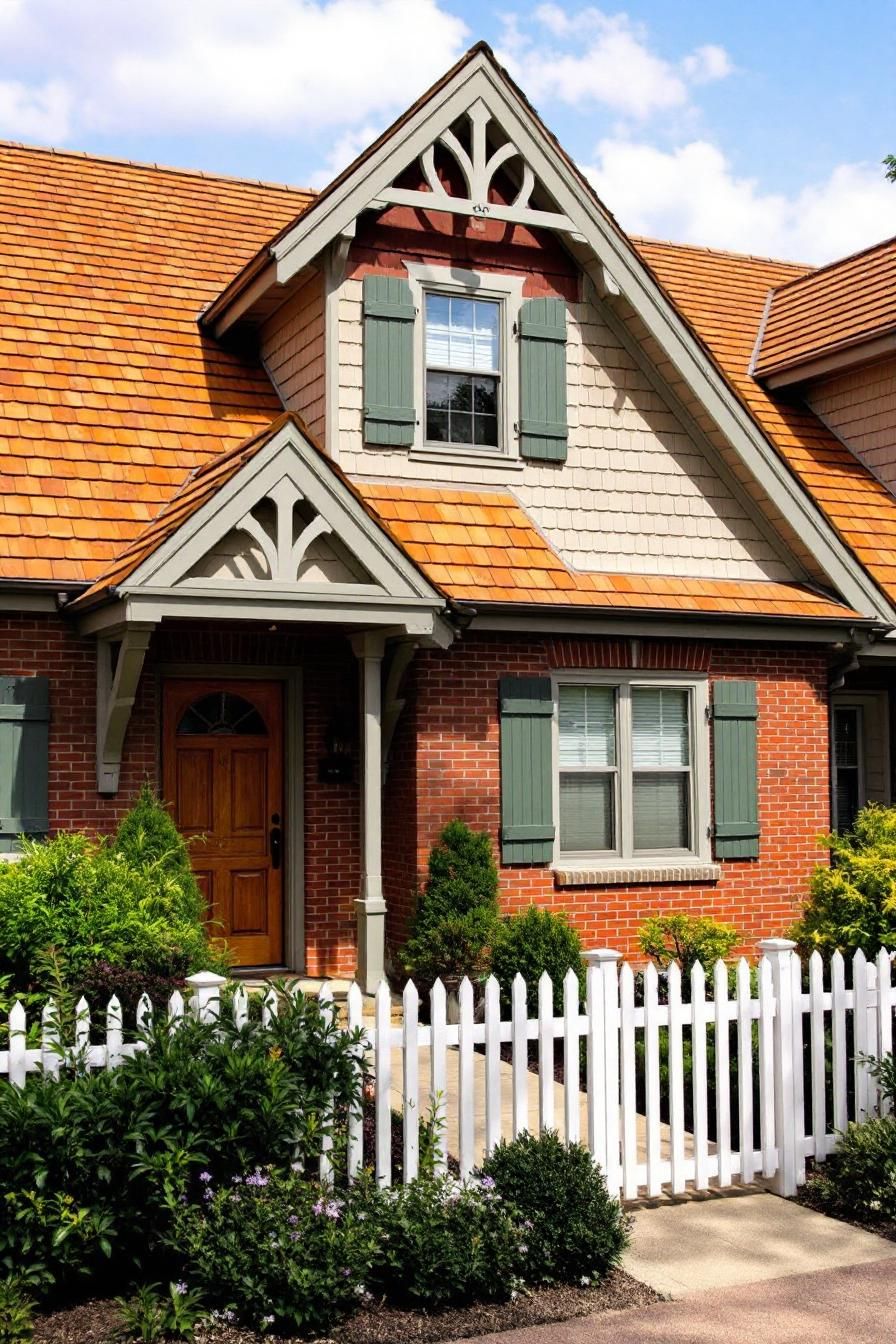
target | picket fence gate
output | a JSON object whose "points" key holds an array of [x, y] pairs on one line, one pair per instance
{"points": [[788, 1066]]}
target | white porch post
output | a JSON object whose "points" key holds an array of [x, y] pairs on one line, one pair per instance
{"points": [[370, 906]]}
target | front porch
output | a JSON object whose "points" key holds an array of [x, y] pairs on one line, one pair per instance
{"points": [[275, 619]]}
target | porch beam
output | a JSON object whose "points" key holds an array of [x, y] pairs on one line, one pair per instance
{"points": [[117, 678], [370, 907]]}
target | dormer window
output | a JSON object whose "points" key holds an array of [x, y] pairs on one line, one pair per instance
{"points": [[462, 341]]}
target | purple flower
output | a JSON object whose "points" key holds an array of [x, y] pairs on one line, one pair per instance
{"points": [[258, 1179], [205, 1176], [487, 1183], [333, 1208], [179, 1288], [292, 1219], [236, 1180], [346, 1273], [318, 1208]]}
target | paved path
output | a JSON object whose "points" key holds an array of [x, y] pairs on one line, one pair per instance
{"points": [[684, 1246], [839, 1306]]}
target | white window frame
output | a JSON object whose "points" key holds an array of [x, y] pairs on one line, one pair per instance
{"points": [[506, 290], [624, 856]]}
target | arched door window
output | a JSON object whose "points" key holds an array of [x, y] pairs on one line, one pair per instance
{"points": [[222, 713]]}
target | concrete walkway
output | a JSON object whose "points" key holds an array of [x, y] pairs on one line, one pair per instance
{"points": [[839, 1306], [684, 1246]]}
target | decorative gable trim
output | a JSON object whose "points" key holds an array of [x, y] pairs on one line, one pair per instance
{"points": [[282, 503], [480, 93]]}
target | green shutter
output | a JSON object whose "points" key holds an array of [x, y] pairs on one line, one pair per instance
{"points": [[543, 430], [24, 759], [736, 800], [527, 812], [389, 313]]}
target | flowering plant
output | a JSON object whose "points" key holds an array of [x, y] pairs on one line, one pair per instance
{"points": [[278, 1252], [444, 1242]]}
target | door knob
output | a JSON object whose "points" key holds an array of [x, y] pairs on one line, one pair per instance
{"points": [[276, 841]]}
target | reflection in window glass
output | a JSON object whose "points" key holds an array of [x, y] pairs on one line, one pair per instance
{"points": [[222, 713]]}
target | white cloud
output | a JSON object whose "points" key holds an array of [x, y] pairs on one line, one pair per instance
{"points": [[270, 66], [692, 194], [345, 150], [41, 112], [591, 57], [707, 63]]}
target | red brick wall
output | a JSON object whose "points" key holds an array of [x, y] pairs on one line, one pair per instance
{"points": [[457, 762], [47, 645], [444, 764]]}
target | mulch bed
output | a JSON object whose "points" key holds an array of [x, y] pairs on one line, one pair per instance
{"points": [[99, 1322], [809, 1198]]}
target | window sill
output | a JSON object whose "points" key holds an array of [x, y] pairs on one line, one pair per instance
{"points": [[634, 873], [460, 459]]}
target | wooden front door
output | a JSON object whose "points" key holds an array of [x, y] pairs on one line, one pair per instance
{"points": [[222, 764]]}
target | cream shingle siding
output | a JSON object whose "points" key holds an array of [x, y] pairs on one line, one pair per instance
{"points": [[635, 494], [292, 347], [860, 407]]}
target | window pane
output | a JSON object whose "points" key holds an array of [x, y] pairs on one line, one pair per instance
{"points": [[462, 333], [586, 812], [437, 426], [659, 726], [438, 329], [587, 726], [846, 737], [661, 811], [847, 797], [485, 396], [485, 430], [461, 427], [438, 390]]}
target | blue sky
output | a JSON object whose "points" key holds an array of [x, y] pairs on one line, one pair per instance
{"points": [[753, 125]]}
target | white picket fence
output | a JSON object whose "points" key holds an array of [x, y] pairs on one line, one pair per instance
{"points": [[805, 1083]]}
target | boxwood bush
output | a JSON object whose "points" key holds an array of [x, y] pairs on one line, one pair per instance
{"points": [[574, 1230]]}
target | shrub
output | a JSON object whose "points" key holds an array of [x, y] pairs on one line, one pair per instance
{"points": [[852, 902], [859, 1179], [686, 939], [276, 1252], [457, 912], [441, 1243], [131, 903], [574, 1230], [95, 1164], [532, 943], [16, 1321]]}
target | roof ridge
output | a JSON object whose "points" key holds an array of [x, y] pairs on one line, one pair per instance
{"points": [[840, 261], [155, 167], [803, 266]]}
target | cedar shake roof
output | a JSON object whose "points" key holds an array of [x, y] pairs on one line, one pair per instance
{"points": [[481, 546], [723, 296], [845, 304], [109, 392], [112, 397]]}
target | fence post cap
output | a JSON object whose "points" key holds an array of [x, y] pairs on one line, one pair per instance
{"points": [[600, 956], [206, 980], [776, 945]]}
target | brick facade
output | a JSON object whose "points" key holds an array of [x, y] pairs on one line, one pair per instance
{"points": [[444, 763], [457, 767]]}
